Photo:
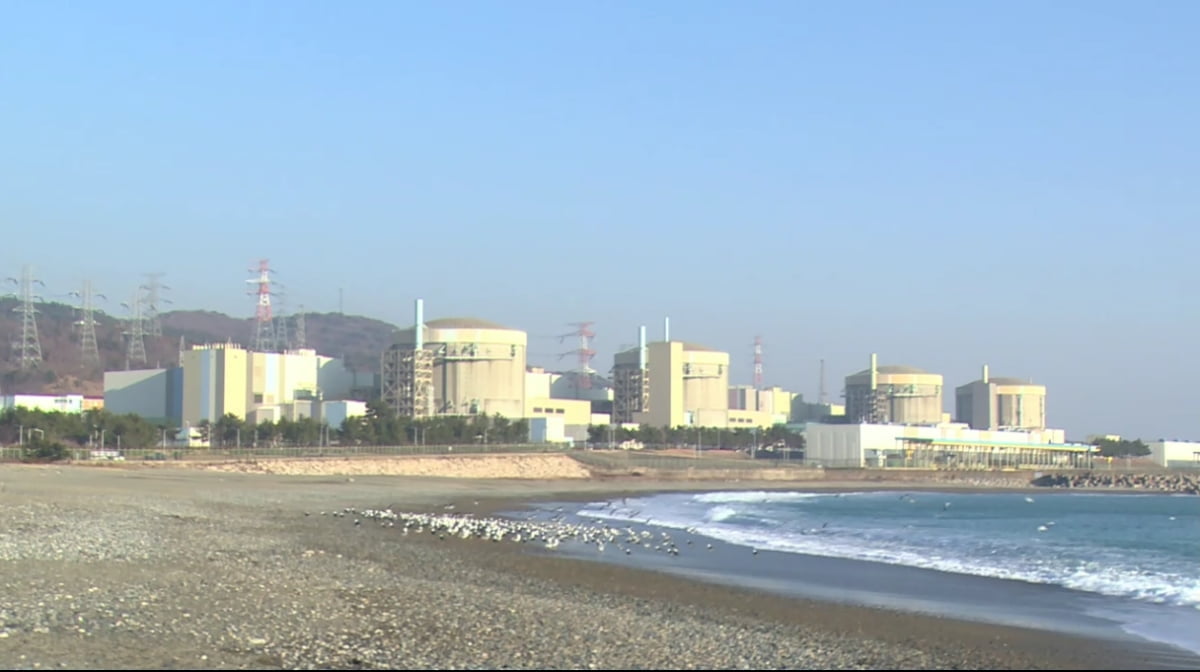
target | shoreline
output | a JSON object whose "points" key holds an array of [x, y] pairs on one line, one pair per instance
{"points": [[240, 570], [1152, 653]]}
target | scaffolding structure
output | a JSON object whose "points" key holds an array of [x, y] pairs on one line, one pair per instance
{"points": [[406, 381], [631, 393]]}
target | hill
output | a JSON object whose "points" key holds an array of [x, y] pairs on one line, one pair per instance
{"points": [[358, 340]]}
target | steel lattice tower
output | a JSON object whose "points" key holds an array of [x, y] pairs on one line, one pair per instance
{"points": [[135, 351], [151, 301], [264, 327], [89, 350], [300, 337], [583, 354], [28, 348], [280, 319]]}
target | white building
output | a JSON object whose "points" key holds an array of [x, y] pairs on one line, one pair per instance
{"points": [[547, 430], [335, 413], [1175, 453], [64, 403], [946, 446]]}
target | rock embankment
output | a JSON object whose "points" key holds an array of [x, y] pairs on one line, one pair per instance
{"points": [[467, 466], [1175, 483]]}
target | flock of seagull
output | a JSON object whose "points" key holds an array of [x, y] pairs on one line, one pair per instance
{"points": [[548, 533]]}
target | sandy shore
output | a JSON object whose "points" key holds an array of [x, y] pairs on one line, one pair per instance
{"points": [[189, 568]]}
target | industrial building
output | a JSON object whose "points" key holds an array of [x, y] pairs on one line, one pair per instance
{"points": [[455, 366], [673, 384], [1175, 453], [1000, 403], [154, 394], [773, 401], [946, 446], [335, 413], [814, 411], [902, 395], [215, 380], [60, 403]]}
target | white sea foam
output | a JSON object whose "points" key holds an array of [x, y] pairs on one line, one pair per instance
{"points": [[744, 518]]}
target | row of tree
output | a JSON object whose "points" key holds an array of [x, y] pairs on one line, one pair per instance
{"points": [[93, 427], [711, 437], [1122, 448]]}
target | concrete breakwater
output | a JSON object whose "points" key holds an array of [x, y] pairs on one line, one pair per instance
{"points": [[1175, 483]]}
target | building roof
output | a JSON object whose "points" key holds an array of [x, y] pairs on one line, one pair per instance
{"points": [[697, 348], [891, 369], [999, 380], [462, 323]]}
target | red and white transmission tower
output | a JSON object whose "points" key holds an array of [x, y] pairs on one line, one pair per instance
{"points": [[758, 363], [264, 326], [584, 353]]}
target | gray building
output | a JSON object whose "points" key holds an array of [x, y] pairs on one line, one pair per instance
{"points": [[154, 394], [995, 403]]}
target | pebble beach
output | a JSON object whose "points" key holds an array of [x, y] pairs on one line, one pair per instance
{"points": [[174, 568]]}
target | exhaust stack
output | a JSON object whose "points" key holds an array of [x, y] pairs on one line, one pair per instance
{"points": [[874, 371], [419, 327], [642, 348]]}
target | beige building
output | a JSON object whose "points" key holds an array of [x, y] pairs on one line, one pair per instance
{"points": [[671, 384], [993, 403], [773, 401], [901, 395], [215, 382], [257, 386], [477, 367]]}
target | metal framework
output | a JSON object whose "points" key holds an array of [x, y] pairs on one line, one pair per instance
{"points": [[89, 349], [631, 392], [406, 381], [300, 335], [264, 328], [959, 454], [28, 347], [135, 334], [150, 304], [583, 354]]}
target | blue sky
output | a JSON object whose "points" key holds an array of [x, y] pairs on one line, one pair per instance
{"points": [[945, 183]]}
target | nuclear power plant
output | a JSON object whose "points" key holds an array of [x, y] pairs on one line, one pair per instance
{"points": [[1001, 403], [455, 366], [901, 395]]}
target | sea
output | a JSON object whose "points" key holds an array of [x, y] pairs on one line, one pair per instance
{"points": [[1090, 564]]}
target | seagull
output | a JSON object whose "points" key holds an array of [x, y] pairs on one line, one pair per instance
{"points": [[1029, 499]]}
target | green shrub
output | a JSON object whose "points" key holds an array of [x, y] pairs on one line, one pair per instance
{"points": [[40, 450]]}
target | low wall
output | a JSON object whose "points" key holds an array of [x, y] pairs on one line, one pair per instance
{"points": [[466, 466]]}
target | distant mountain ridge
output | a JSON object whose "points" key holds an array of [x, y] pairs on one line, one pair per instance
{"points": [[358, 340]]}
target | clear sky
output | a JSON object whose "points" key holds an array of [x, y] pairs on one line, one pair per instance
{"points": [[945, 183]]}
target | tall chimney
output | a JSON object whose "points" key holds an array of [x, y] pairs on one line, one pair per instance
{"points": [[874, 371], [985, 374], [642, 347], [667, 329], [419, 327]]}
